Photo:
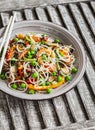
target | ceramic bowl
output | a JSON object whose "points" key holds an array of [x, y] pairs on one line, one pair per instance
{"points": [[65, 37]]}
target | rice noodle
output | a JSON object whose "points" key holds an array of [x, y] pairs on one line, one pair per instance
{"points": [[18, 81], [43, 62]]}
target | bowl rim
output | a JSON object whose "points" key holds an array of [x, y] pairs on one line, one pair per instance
{"points": [[70, 86]]}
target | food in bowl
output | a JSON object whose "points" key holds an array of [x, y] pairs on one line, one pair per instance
{"points": [[37, 63]]}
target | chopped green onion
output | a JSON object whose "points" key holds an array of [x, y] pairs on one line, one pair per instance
{"points": [[55, 50], [74, 61], [29, 60], [27, 38], [40, 79], [61, 54], [2, 76], [57, 66], [25, 75], [44, 57], [16, 39], [31, 42], [13, 60], [23, 78], [44, 35], [43, 42], [56, 57], [44, 84]]}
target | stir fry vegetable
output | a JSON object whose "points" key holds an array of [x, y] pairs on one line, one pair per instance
{"points": [[36, 62]]}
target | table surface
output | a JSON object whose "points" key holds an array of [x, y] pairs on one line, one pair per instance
{"points": [[74, 110]]}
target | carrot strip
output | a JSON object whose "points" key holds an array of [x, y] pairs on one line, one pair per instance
{"points": [[64, 52], [23, 53], [42, 88], [36, 39], [26, 43], [10, 53], [68, 63], [20, 36]]}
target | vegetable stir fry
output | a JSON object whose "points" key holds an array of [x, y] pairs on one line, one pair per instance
{"points": [[37, 63]]}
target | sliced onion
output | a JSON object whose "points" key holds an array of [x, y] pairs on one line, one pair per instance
{"points": [[17, 81], [63, 58]]}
